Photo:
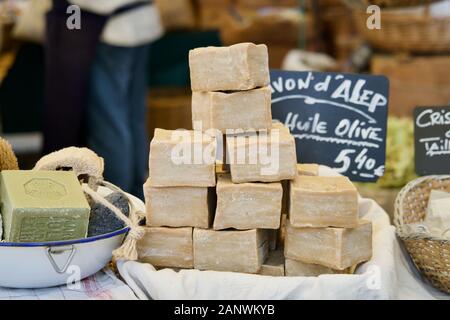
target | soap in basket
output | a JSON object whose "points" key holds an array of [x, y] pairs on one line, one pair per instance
{"points": [[41, 206]]}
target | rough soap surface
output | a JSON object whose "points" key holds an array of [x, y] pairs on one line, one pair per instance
{"points": [[167, 247], [336, 248], [103, 220], [242, 66], [41, 206], [235, 251], [262, 158], [323, 202], [247, 205], [179, 206], [300, 269], [246, 110], [182, 158]]}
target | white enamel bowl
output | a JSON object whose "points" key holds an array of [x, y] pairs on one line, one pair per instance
{"points": [[48, 264]]}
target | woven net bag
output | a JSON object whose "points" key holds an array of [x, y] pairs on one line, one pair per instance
{"points": [[430, 254]]}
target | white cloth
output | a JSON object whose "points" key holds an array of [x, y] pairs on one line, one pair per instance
{"points": [[102, 286], [388, 275], [136, 27]]}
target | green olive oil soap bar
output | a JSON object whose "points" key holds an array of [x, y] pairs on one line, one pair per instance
{"points": [[40, 206]]}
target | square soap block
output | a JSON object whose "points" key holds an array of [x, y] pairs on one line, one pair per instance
{"points": [[235, 251], [274, 265], [179, 206], [242, 66], [336, 248], [301, 269], [247, 205], [323, 202], [41, 206], [245, 110], [263, 156], [167, 247], [182, 158], [281, 234]]}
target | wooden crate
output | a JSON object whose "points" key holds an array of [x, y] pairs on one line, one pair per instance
{"points": [[169, 108], [414, 81], [176, 14], [210, 13]]}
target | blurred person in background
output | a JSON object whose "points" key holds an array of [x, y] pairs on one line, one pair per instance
{"points": [[105, 67]]}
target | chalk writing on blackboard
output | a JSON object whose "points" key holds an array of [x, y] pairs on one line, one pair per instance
{"points": [[337, 119], [432, 140]]}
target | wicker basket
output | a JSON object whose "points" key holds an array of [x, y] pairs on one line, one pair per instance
{"points": [[430, 254], [358, 4], [406, 32]]}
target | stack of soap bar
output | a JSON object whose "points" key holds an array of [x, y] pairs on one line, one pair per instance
{"points": [[182, 158], [167, 247], [235, 251], [242, 66], [336, 248], [266, 157], [274, 265], [247, 205], [323, 202], [300, 269], [40, 206], [224, 110], [179, 206]]}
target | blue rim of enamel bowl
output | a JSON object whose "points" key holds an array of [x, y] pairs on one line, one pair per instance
{"points": [[66, 242]]}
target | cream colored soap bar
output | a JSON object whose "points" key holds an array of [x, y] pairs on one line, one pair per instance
{"points": [[182, 158], [243, 66], [167, 247], [308, 169], [245, 110], [236, 251], [336, 248], [247, 205], [438, 211], [301, 269], [179, 206], [323, 202], [263, 157], [274, 265]]}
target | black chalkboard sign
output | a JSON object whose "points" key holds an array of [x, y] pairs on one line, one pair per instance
{"points": [[338, 120], [432, 140]]}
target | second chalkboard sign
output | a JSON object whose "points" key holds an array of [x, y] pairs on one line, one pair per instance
{"points": [[338, 120], [432, 140]]}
